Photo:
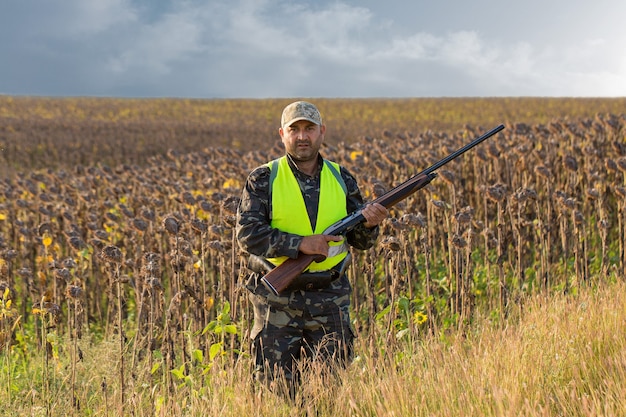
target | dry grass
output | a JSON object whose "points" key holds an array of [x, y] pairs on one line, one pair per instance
{"points": [[560, 355], [563, 356]]}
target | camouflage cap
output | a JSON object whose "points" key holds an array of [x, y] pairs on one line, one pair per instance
{"points": [[300, 110]]}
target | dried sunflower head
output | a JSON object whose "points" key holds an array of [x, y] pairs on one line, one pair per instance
{"points": [[140, 225], [73, 291], [62, 274], [171, 225], [497, 193], [111, 253]]}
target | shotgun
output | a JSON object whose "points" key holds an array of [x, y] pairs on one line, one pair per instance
{"points": [[281, 276]]}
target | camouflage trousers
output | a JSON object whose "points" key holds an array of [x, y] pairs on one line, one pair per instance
{"points": [[287, 339]]}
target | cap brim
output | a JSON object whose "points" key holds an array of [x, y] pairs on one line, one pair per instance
{"points": [[297, 119]]}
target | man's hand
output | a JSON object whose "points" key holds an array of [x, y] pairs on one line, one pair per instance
{"points": [[317, 244], [374, 214]]}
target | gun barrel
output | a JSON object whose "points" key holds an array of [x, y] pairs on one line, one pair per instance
{"points": [[462, 150]]}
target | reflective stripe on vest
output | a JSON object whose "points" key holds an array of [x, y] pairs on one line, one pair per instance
{"points": [[289, 214]]}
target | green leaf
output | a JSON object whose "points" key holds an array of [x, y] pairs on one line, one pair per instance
{"points": [[180, 372], [177, 374], [197, 355], [399, 323], [226, 308], [155, 368], [214, 350], [207, 369], [230, 328], [403, 304], [52, 338], [209, 327], [383, 312]]}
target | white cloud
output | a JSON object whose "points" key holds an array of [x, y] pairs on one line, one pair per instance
{"points": [[261, 48], [421, 46], [157, 46]]}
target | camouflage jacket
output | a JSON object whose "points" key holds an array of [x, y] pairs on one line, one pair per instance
{"points": [[256, 236]]}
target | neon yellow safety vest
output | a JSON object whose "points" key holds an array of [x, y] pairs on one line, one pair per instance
{"points": [[288, 211]]}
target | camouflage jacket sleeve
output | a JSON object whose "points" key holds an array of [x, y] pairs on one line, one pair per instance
{"points": [[256, 236], [254, 233]]}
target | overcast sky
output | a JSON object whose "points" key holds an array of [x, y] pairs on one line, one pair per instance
{"points": [[282, 48]]}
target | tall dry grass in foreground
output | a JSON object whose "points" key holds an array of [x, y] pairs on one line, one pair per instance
{"points": [[556, 355]]}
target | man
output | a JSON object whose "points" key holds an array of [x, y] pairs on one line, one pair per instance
{"points": [[285, 206]]}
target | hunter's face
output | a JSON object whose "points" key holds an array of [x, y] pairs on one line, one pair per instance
{"points": [[303, 139]]}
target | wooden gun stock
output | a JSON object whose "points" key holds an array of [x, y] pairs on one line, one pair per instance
{"points": [[280, 277]]}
